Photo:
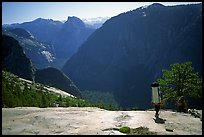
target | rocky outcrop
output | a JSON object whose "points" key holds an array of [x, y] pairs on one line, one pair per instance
{"points": [[94, 121], [195, 113]]}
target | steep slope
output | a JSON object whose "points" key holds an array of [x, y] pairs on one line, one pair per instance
{"points": [[20, 33], [41, 54], [72, 34], [56, 78], [129, 51], [14, 60]]}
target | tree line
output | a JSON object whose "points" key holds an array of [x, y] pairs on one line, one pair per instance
{"points": [[180, 82], [18, 93]]}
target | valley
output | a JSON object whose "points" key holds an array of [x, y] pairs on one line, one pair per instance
{"points": [[118, 57], [102, 75]]}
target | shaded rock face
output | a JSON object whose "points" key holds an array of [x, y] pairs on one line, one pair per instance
{"points": [[14, 60], [41, 54], [70, 37], [56, 78], [130, 50], [22, 33]]}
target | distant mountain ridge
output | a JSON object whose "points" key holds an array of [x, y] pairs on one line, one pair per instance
{"points": [[65, 37], [43, 29], [130, 50], [95, 22], [70, 37]]}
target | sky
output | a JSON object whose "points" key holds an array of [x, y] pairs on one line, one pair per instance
{"points": [[19, 12]]}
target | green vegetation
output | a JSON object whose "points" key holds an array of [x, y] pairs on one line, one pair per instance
{"points": [[56, 78], [141, 131], [136, 131], [19, 93], [125, 129], [101, 99], [179, 82]]}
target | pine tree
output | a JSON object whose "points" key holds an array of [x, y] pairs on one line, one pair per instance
{"points": [[179, 82]]}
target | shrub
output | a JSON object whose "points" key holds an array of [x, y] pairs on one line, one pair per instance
{"points": [[141, 131], [125, 129]]}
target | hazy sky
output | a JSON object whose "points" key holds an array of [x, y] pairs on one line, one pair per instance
{"points": [[18, 12]]}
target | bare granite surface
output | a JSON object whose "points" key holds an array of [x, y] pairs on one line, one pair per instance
{"points": [[94, 121]]}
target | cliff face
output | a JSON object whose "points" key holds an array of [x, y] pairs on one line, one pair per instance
{"points": [[14, 60], [41, 54], [129, 51]]}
